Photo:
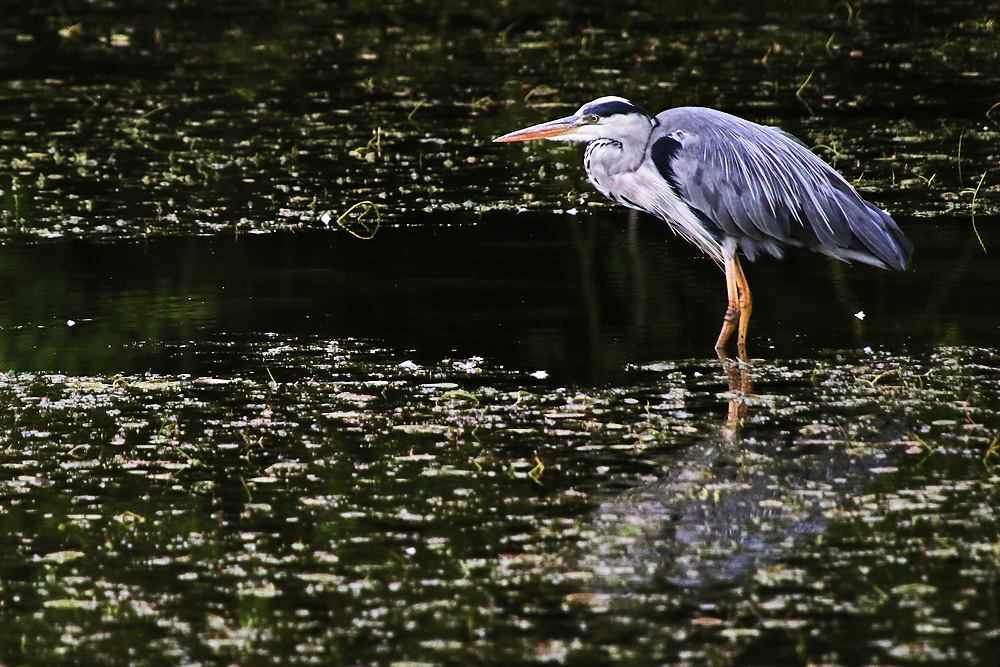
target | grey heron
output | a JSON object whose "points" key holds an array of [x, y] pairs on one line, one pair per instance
{"points": [[727, 185]]}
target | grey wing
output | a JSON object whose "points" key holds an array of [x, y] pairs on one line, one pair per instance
{"points": [[767, 190]]}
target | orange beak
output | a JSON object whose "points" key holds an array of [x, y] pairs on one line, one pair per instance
{"points": [[553, 128]]}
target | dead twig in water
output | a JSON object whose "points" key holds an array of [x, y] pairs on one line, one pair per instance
{"points": [[961, 181], [975, 193], [992, 451], [798, 93], [369, 231], [536, 473], [850, 10], [990, 110]]}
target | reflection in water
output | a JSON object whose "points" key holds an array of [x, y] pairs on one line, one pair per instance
{"points": [[706, 523], [739, 375], [724, 509]]}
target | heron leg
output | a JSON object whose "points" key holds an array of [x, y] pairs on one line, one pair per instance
{"points": [[732, 316], [739, 306], [746, 307]]}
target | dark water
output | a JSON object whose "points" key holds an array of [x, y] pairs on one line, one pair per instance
{"points": [[578, 297], [231, 432]]}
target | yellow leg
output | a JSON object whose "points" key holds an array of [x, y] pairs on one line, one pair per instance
{"points": [[733, 308], [746, 307], [738, 309]]}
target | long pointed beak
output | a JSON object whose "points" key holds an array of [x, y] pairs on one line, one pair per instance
{"points": [[553, 128]]}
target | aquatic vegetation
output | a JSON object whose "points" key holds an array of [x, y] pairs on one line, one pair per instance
{"points": [[357, 499], [232, 433]]}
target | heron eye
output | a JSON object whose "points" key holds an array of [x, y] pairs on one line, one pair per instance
{"points": [[594, 118]]}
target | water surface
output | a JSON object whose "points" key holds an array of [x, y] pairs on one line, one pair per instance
{"points": [[234, 432]]}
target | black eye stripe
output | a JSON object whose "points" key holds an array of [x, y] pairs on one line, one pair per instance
{"points": [[605, 109]]}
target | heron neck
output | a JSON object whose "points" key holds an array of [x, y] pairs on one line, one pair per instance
{"points": [[606, 158]]}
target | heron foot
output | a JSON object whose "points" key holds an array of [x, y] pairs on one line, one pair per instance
{"points": [[739, 305], [729, 324], [737, 317]]}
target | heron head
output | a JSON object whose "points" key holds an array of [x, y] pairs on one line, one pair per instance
{"points": [[605, 118]]}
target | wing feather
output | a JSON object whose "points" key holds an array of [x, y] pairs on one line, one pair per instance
{"points": [[766, 189]]}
